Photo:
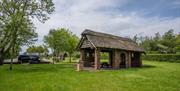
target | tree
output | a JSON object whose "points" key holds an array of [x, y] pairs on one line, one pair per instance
{"points": [[16, 22], [167, 43], [178, 43], [36, 49], [61, 40], [135, 38], [56, 40], [72, 43], [168, 40], [157, 37]]}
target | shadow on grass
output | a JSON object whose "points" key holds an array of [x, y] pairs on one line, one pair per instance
{"points": [[64, 67], [148, 66], [30, 68]]}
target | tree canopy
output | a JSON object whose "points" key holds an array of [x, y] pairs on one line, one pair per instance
{"points": [[61, 40], [37, 49], [166, 43], [16, 26]]}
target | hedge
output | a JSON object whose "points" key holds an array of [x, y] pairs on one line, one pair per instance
{"points": [[162, 57]]}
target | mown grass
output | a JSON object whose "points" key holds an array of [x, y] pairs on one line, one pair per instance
{"points": [[153, 76]]}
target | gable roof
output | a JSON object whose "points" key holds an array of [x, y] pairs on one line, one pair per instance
{"points": [[102, 40]]}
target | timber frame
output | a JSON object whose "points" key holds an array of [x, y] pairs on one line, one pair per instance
{"points": [[92, 44]]}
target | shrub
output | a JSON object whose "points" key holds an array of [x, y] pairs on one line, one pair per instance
{"points": [[104, 55], [162, 57], [76, 55], [152, 52]]}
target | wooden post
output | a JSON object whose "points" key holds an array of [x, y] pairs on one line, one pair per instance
{"points": [[110, 59], [140, 59], [116, 59], [128, 59], [80, 65], [97, 59]]}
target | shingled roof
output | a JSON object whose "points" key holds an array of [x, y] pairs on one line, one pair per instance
{"points": [[92, 39]]}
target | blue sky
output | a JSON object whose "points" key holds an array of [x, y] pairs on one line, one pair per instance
{"points": [[118, 17], [150, 8]]}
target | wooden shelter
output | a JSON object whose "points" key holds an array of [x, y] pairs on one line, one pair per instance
{"points": [[123, 52]]}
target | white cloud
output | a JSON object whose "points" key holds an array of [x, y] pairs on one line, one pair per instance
{"points": [[99, 15]]}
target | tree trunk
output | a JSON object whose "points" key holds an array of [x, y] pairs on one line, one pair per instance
{"points": [[53, 58], [70, 58], [10, 68], [12, 56], [1, 58]]}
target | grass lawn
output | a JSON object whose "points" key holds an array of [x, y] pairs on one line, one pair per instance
{"points": [[154, 76]]}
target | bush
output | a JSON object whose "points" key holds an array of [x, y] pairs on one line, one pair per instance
{"points": [[104, 55], [162, 57], [152, 52], [76, 55]]}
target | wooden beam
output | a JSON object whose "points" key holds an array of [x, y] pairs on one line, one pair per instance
{"points": [[91, 42], [140, 59], [116, 61], [80, 65], [97, 59], [128, 59]]}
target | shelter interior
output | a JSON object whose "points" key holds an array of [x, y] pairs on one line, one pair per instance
{"points": [[116, 58]]}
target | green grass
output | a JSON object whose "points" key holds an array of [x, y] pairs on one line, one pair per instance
{"points": [[154, 76]]}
